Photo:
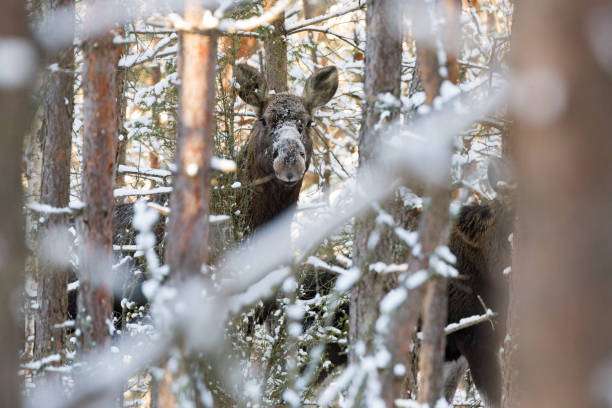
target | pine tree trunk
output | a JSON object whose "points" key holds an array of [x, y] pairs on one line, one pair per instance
{"points": [[382, 75], [99, 153], [435, 226], [58, 108], [563, 150], [15, 117], [187, 247], [275, 46]]}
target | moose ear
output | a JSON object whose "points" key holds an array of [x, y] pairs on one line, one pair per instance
{"points": [[250, 84], [501, 176], [321, 87]]}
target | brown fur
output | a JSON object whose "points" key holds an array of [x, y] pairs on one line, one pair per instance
{"points": [[263, 165], [480, 242]]}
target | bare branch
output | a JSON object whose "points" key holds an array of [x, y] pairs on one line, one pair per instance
{"points": [[320, 19]]}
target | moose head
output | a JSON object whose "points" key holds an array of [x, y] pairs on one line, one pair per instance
{"points": [[281, 139]]}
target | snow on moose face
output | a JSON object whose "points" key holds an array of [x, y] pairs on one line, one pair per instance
{"points": [[289, 155]]}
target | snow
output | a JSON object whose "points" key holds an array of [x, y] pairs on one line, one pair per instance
{"points": [[37, 365], [144, 171], [442, 267], [47, 209], [467, 321], [214, 218], [416, 279], [223, 165], [445, 253], [347, 280], [410, 238], [19, 60], [399, 370], [261, 289], [318, 263], [125, 191], [393, 300]]}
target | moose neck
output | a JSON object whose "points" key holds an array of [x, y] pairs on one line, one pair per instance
{"points": [[272, 200]]}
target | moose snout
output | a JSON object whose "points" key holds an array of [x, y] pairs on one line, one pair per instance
{"points": [[289, 156]]}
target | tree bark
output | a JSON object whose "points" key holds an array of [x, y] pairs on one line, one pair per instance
{"points": [[382, 75], [58, 108], [434, 231], [435, 227], [187, 248], [275, 46], [563, 151], [99, 153], [15, 116], [509, 355]]}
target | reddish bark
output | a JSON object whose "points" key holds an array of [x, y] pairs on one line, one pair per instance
{"points": [[563, 149], [58, 109], [14, 117], [99, 153], [435, 226], [187, 248]]}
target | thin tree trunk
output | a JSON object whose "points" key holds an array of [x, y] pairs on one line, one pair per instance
{"points": [[187, 248], [563, 150], [307, 8], [435, 227], [15, 82], [509, 357], [434, 231], [58, 107], [275, 46], [99, 154], [382, 75]]}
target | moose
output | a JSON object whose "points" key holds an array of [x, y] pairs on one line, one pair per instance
{"points": [[279, 149], [480, 241]]}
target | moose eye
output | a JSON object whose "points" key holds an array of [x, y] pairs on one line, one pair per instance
{"points": [[262, 121], [275, 154], [303, 155], [310, 124]]}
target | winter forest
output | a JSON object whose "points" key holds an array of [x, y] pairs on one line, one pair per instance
{"points": [[306, 203]]}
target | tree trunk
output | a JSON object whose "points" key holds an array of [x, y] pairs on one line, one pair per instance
{"points": [[382, 75], [509, 357], [58, 107], [99, 153], [15, 82], [563, 149], [187, 247], [275, 46]]}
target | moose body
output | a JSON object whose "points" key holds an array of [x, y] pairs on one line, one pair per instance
{"points": [[480, 241], [279, 149]]}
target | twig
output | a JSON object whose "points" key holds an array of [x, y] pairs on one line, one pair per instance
{"points": [[486, 309], [319, 19], [212, 23], [469, 321]]}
